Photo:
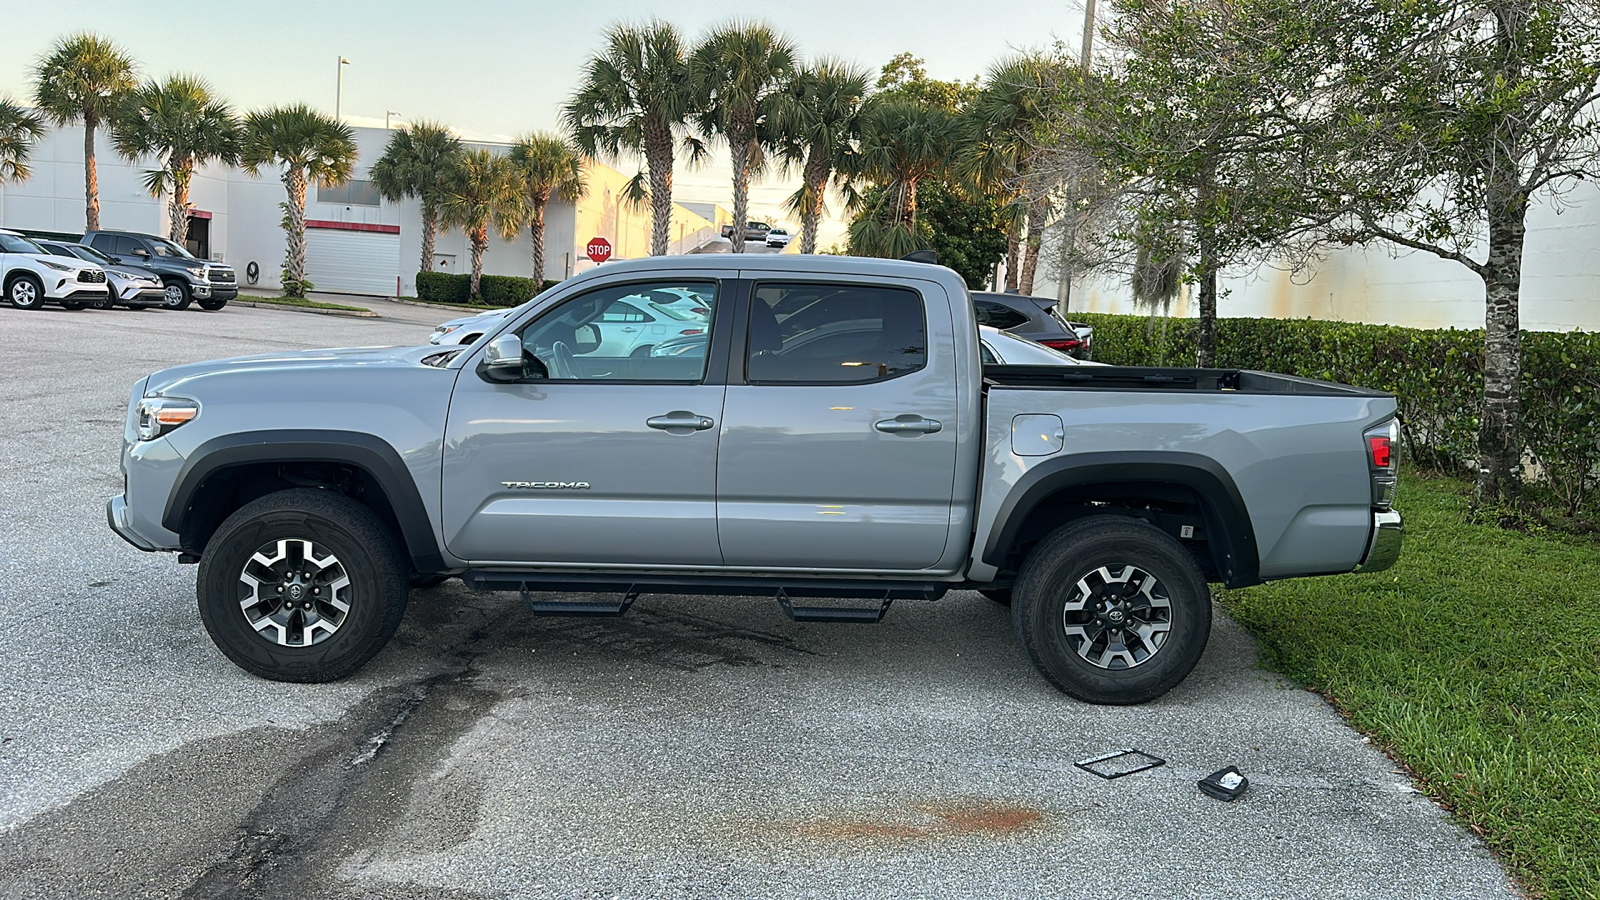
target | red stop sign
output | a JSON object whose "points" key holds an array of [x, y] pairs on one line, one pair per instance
{"points": [[599, 249]]}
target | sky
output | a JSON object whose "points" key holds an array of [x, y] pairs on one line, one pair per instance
{"points": [[495, 69]]}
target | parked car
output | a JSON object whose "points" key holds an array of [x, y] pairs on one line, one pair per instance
{"points": [[467, 329], [754, 232], [777, 237], [32, 277], [185, 278], [867, 464], [1031, 317], [130, 286], [1002, 348]]}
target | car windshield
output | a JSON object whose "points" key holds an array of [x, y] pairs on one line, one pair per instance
{"points": [[164, 247], [88, 253], [12, 243]]}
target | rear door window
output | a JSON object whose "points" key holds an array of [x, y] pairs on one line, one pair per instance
{"points": [[834, 334]]}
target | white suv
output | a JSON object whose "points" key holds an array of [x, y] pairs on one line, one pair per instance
{"points": [[31, 276]]}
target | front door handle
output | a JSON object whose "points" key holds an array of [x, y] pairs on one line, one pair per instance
{"points": [[908, 424], [680, 421]]}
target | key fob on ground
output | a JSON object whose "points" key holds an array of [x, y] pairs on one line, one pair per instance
{"points": [[1226, 784]]}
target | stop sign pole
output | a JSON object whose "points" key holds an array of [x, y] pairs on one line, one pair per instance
{"points": [[599, 249]]}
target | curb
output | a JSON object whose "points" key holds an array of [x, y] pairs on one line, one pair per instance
{"points": [[474, 310], [347, 313]]}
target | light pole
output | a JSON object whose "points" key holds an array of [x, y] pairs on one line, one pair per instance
{"points": [[338, 91], [386, 118]]}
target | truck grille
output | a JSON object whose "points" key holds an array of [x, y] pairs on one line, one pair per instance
{"points": [[221, 274], [91, 276]]}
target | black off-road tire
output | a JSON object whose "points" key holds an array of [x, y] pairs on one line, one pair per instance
{"points": [[212, 304], [1048, 582], [367, 552]]}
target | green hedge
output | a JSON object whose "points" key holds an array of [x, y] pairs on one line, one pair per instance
{"points": [[1437, 375], [496, 290]]}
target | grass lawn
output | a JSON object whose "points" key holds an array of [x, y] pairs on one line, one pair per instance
{"points": [[301, 301], [1475, 661]]}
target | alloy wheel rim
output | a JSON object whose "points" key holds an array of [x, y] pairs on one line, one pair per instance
{"points": [[297, 592], [1118, 617], [22, 292], [174, 295]]}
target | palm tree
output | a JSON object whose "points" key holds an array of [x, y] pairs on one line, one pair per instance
{"points": [[19, 128], [738, 71], [548, 164], [84, 78], [818, 119], [414, 164], [1003, 120], [635, 97], [184, 122], [903, 141], [307, 145], [483, 189]]}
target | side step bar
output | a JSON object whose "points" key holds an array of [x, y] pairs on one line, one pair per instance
{"points": [[785, 591]]}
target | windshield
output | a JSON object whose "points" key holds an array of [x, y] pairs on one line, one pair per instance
{"points": [[164, 247], [11, 243], [88, 253]]}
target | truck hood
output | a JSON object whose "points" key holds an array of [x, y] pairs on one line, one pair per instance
{"points": [[173, 380]]}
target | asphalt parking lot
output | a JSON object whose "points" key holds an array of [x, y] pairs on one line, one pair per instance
{"points": [[694, 748]]}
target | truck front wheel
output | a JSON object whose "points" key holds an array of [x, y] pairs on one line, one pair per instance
{"points": [[1112, 610], [302, 585], [178, 295]]}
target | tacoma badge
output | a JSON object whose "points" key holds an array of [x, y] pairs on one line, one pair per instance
{"points": [[547, 485]]}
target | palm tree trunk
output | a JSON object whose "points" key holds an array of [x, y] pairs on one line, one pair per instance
{"points": [[1030, 260], [536, 239], [178, 211], [91, 176], [816, 182], [430, 228], [480, 243], [739, 149], [294, 226], [1499, 443], [1013, 250], [658, 158]]}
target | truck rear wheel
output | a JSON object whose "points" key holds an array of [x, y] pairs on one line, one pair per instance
{"points": [[1112, 610], [302, 585]]}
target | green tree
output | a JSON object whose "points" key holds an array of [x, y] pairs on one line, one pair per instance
{"points": [[183, 124], [1451, 119], [635, 97], [19, 130], [996, 155], [306, 145], [817, 120], [549, 166], [414, 164], [483, 189], [904, 142], [84, 78], [738, 72]]}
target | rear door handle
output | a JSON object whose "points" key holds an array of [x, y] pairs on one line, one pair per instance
{"points": [[908, 424], [680, 421]]}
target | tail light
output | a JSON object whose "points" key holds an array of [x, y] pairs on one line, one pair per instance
{"points": [[1383, 461], [1063, 344]]}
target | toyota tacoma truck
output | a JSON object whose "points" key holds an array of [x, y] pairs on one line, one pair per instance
{"points": [[834, 442]]}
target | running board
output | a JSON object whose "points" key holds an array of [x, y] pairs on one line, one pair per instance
{"points": [[785, 591]]}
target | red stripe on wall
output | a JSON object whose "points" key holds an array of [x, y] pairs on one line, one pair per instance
{"points": [[352, 226]]}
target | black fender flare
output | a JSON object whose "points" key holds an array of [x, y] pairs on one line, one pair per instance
{"points": [[1227, 521], [367, 452]]}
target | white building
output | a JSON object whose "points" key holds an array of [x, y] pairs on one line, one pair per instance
{"points": [[356, 242], [1373, 284]]}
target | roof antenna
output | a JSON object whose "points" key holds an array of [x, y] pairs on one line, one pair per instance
{"points": [[922, 256]]}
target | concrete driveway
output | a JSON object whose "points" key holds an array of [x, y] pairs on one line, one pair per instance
{"points": [[695, 748]]}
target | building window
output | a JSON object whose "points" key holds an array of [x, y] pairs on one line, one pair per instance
{"points": [[352, 193]]}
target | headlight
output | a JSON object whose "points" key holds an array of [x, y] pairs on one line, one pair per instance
{"points": [[50, 263], [197, 271], [160, 415]]}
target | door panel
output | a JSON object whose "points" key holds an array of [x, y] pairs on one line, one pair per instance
{"points": [[853, 474], [595, 457]]}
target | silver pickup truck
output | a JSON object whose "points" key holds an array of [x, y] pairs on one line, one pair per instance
{"points": [[816, 429]]}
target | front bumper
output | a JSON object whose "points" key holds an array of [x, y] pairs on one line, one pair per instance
{"points": [[135, 295], [1388, 533], [117, 518]]}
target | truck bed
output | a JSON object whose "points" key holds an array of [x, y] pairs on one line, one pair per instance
{"points": [[1155, 378]]}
